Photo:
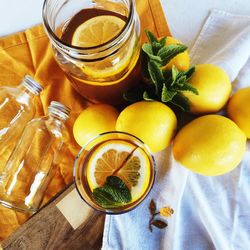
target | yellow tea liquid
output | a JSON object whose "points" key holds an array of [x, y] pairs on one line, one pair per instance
{"points": [[104, 79]]}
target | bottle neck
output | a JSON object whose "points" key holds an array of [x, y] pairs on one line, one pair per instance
{"points": [[58, 111], [25, 90], [56, 118], [25, 95]]}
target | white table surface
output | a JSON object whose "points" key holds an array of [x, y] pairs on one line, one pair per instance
{"points": [[185, 18]]}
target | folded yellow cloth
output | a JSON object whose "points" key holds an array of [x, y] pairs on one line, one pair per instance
{"points": [[29, 52]]}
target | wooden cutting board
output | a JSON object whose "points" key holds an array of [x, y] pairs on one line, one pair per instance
{"points": [[50, 229]]}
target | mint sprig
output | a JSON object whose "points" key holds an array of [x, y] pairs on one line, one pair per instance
{"points": [[162, 85], [158, 51], [114, 193]]}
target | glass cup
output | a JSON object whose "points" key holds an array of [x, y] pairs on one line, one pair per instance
{"points": [[103, 72], [89, 169]]}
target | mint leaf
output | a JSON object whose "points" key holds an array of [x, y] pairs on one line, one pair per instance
{"points": [[167, 95], [163, 41], [156, 46], [116, 194], [180, 81], [119, 187], [188, 73], [146, 96], [151, 37], [188, 87], [104, 199], [113, 193], [156, 76], [162, 84], [147, 48], [175, 73], [168, 52]]}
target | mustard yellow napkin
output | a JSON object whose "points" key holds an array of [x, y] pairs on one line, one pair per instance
{"points": [[29, 52]]}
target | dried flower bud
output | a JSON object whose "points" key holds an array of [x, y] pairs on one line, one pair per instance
{"points": [[166, 211]]}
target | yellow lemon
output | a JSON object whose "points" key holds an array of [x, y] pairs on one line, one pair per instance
{"points": [[210, 145], [152, 122], [214, 87], [123, 159], [94, 120], [181, 61], [239, 109]]}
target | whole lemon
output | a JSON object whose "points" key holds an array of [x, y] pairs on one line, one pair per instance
{"points": [[214, 87], [239, 109], [152, 122], [181, 61], [93, 121], [210, 145]]}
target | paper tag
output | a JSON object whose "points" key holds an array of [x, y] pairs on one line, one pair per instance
{"points": [[74, 209]]}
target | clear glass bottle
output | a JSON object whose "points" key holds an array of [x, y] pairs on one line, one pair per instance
{"points": [[30, 167], [16, 110]]}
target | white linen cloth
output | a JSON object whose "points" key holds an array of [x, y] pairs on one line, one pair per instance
{"points": [[210, 212]]}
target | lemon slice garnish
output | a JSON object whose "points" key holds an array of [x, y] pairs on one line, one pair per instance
{"points": [[125, 160], [97, 30]]}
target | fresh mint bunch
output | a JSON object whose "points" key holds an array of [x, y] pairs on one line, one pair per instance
{"points": [[162, 85], [114, 193]]}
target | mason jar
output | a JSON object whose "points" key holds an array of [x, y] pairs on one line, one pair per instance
{"points": [[99, 72]]}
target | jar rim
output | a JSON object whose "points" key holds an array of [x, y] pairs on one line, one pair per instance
{"points": [[102, 47]]}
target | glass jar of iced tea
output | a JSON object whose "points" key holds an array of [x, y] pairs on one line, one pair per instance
{"points": [[97, 44]]}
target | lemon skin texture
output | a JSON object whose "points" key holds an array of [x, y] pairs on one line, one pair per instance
{"points": [[210, 145], [152, 122], [214, 87], [94, 120], [238, 109]]}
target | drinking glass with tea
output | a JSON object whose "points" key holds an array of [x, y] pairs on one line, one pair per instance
{"points": [[114, 172], [97, 44]]}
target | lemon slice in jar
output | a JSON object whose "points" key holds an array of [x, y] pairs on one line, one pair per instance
{"points": [[97, 31]]}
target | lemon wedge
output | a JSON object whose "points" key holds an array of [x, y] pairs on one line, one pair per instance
{"points": [[123, 159]]}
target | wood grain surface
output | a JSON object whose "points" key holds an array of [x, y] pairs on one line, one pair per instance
{"points": [[49, 229]]}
